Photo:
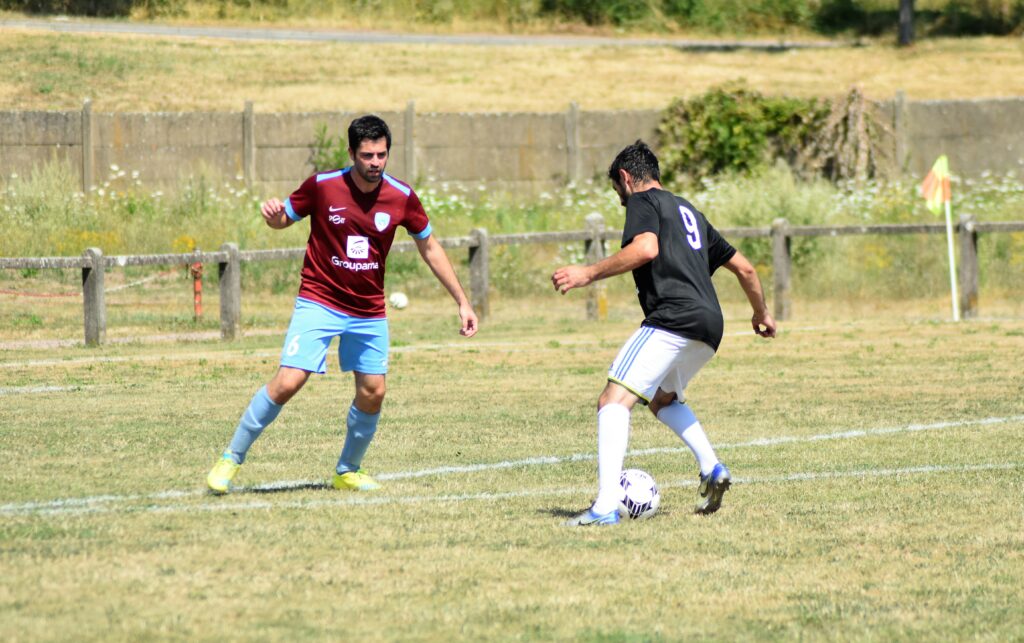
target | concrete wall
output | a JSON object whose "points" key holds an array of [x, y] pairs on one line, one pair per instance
{"points": [[284, 145], [164, 147], [28, 139], [977, 135], [517, 152]]}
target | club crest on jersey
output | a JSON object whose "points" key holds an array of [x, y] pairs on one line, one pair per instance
{"points": [[382, 220]]}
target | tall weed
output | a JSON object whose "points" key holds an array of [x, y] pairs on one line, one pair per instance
{"points": [[43, 214]]}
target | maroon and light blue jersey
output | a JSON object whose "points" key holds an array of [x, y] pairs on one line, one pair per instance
{"points": [[350, 234]]}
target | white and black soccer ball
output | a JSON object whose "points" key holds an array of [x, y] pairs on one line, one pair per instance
{"points": [[640, 495], [398, 300]]}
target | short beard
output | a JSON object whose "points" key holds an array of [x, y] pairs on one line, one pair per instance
{"points": [[370, 179]]}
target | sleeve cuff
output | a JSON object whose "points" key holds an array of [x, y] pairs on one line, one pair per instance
{"points": [[423, 234], [291, 211]]}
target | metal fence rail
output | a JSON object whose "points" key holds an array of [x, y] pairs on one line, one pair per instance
{"points": [[229, 258]]}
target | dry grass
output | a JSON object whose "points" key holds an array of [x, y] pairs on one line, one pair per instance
{"points": [[931, 553], [122, 73]]}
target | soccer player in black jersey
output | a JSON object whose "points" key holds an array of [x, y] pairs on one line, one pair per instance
{"points": [[672, 250]]}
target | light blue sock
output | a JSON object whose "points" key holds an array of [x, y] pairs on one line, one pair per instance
{"points": [[260, 413], [361, 427]]}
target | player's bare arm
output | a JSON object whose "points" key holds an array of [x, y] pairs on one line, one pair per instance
{"points": [[762, 321], [643, 249], [436, 258], [274, 214]]}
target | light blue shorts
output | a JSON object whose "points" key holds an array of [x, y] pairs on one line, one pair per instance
{"points": [[363, 346]]}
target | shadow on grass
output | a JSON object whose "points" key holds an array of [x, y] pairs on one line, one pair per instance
{"points": [[284, 487], [561, 512]]}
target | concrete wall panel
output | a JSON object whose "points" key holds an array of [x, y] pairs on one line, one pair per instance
{"points": [[168, 129], [490, 163], [168, 164], [526, 153], [618, 129], [977, 136], [40, 128], [23, 160], [298, 130], [490, 130]]}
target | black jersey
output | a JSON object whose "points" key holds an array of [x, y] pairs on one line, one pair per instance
{"points": [[675, 289]]}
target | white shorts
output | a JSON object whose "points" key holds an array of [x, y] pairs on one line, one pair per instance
{"points": [[655, 358]]}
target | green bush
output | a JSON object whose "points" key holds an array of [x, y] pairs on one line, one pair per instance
{"points": [[732, 128]]}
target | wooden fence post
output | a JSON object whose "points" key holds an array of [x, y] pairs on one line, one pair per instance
{"points": [[479, 270], [968, 267], [230, 273], [782, 263], [597, 299], [248, 145], [92, 292], [88, 171]]}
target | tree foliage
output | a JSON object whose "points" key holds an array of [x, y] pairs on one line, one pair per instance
{"points": [[855, 17]]}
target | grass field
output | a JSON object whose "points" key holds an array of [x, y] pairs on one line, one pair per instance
{"points": [[878, 495], [879, 481], [140, 74]]}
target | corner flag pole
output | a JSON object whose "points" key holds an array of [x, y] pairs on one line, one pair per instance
{"points": [[952, 264], [935, 190]]}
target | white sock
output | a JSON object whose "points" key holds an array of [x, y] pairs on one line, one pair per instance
{"points": [[681, 419], [612, 439]]}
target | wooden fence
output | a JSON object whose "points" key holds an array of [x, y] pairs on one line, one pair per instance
{"points": [[229, 258]]}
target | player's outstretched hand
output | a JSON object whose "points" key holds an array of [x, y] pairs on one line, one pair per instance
{"points": [[274, 214], [764, 324], [568, 277], [470, 324], [271, 209]]}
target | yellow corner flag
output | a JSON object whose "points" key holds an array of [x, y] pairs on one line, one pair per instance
{"points": [[935, 187], [935, 190]]}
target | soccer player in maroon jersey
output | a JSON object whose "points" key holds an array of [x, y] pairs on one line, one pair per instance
{"points": [[354, 214]]}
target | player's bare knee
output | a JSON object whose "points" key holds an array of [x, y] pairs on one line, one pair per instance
{"points": [[369, 403], [370, 393], [660, 400], [604, 400], [286, 383], [371, 396], [616, 394]]}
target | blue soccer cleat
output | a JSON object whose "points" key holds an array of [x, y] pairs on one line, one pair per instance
{"points": [[588, 518], [712, 487]]}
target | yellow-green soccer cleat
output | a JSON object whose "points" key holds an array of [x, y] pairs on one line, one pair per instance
{"points": [[219, 478], [355, 481]]}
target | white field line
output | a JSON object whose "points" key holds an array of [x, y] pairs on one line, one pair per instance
{"points": [[519, 346], [96, 503], [21, 390], [465, 345], [350, 500]]}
